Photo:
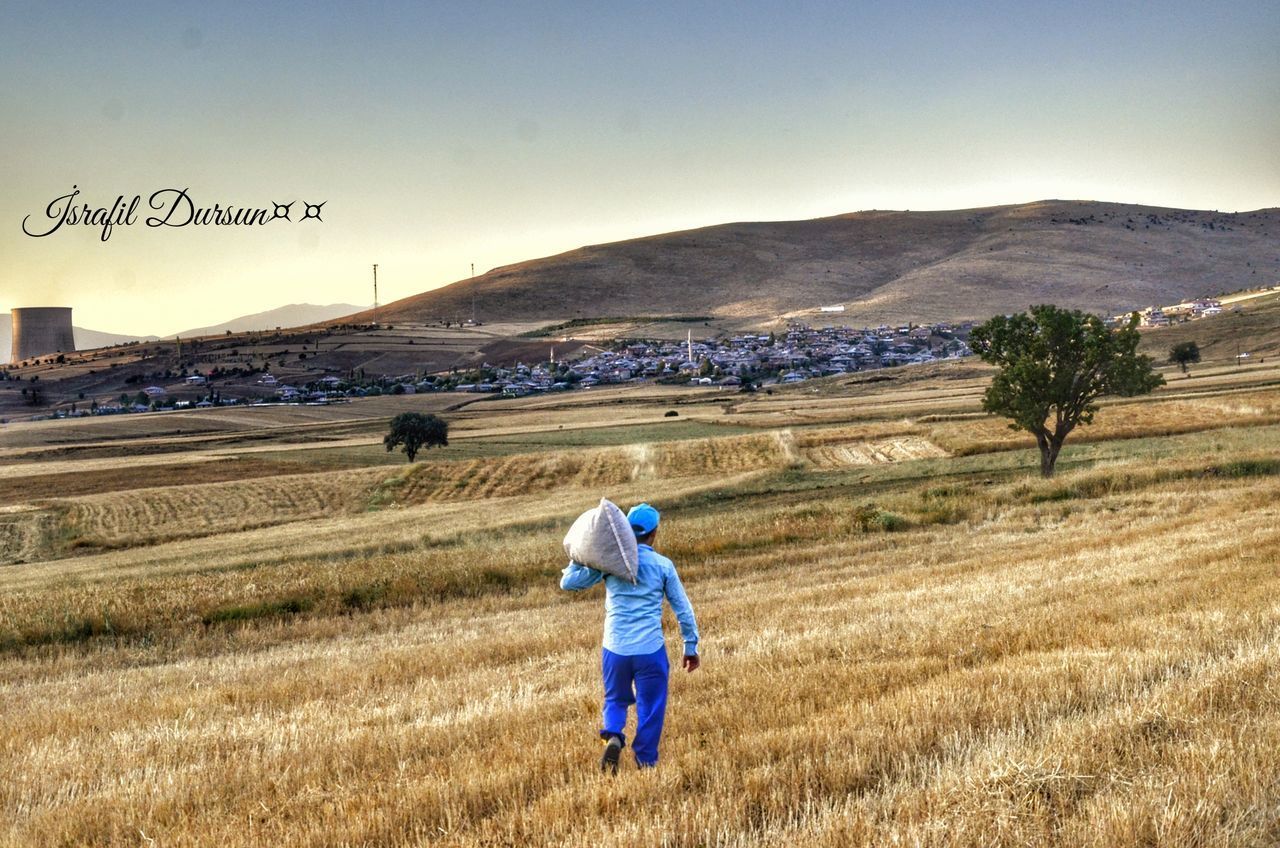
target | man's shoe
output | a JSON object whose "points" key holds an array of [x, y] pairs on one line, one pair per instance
{"points": [[613, 750]]}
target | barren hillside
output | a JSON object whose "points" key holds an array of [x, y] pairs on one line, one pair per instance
{"points": [[884, 266]]}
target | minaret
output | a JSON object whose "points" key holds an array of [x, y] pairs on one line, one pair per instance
{"points": [[691, 345]]}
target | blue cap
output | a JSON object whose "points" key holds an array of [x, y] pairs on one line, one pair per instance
{"points": [[643, 518]]}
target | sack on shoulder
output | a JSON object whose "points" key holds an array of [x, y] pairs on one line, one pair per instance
{"points": [[602, 538]]}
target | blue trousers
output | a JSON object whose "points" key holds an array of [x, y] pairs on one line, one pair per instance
{"points": [[639, 680]]}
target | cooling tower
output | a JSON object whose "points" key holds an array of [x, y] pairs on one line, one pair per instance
{"points": [[41, 330]]}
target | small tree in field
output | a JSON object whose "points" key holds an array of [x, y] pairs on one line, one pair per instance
{"points": [[1054, 364], [415, 431], [1184, 354]]}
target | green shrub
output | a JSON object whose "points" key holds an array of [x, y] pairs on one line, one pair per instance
{"points": [[869, 519], [365, 597], [1245, 468], [263, 609], [891, 522], [864, 517]]}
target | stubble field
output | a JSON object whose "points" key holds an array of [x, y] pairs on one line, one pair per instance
{"points": [[907, 637]]}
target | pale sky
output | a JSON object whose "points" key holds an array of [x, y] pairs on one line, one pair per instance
{"points": [[442, 135]]}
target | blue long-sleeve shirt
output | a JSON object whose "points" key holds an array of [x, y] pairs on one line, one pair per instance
{"points": [[633, 614]]}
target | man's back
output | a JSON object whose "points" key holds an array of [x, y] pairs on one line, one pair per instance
{"points": [[633, 613]]}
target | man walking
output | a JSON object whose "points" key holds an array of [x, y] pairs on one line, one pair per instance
{"points": [[635, 662]]}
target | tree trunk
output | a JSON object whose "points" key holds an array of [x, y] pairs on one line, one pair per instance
{"points": [[1049, 448], [1050, 445]]}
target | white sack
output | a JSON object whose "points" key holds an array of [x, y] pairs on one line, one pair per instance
{"points": [[602, 538]]}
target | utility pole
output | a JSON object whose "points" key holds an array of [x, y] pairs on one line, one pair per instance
{"points": [[375, 293]]}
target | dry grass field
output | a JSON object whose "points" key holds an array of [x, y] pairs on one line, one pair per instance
{"points": [[909, 638]]}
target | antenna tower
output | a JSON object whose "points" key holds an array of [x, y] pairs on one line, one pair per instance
{"points": [[375, 293]]}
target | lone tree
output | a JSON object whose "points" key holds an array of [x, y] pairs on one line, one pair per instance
{"points": [[1184, 354], [1054, 364], [415, 431]]}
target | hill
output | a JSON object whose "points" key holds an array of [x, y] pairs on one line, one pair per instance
{"points": [[883, 267], [89, 339], [292, 315], [1249, 326]]}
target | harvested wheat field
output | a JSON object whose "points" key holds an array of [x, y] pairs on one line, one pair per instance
{"points": [[907, 639]]}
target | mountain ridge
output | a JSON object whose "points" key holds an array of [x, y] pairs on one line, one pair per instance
{"points": [[289, 315], [881, 265]]}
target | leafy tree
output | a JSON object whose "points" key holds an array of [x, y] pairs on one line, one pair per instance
{"points": [[1184, 354], [415, 431], [1053, 366]]}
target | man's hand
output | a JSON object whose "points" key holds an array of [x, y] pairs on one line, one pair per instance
{"points": [[691, 662]]}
